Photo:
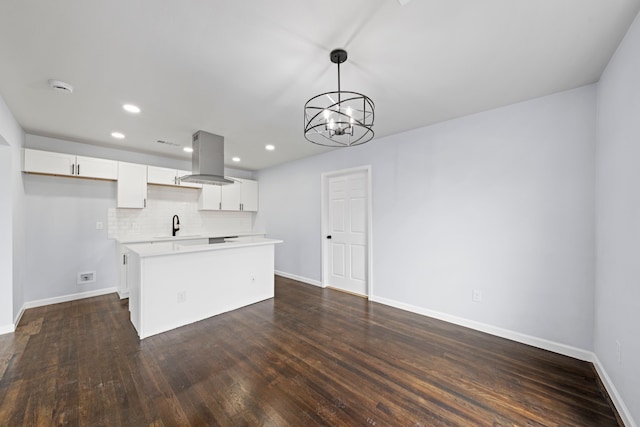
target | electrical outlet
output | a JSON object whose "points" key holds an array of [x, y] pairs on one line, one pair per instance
{"points": [[619, 352], [99, 225], [476, 295], [86, 277], [182, 296]]}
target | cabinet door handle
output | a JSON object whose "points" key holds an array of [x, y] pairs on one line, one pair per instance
{"points": [[124, 258], [78, 169], [73, 169], [220, 206], [145, 202]]}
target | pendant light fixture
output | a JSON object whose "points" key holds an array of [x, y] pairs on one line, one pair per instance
{"points": [[339, 119]]}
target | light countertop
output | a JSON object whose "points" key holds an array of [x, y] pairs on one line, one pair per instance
{"points": [[176, 247], [148, 239]]}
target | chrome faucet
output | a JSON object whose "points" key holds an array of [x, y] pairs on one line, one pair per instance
{"points": [[176, 224]]}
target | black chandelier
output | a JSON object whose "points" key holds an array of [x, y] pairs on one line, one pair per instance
{"points": [[339, 119]]}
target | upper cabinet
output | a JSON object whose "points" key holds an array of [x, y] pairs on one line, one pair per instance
{"points": [[242, 195], [132, 186], [132, 180], [46, 162], [166, 176], [230, 196], [210, 198], [249, 195]]}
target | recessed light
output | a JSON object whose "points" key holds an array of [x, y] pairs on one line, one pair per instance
{"points": [[131, 108], [270, 147], [188, 149], [236, 159], [117, 135]]}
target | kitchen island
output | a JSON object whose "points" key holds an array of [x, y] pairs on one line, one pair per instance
{"points": [[172, 284]]}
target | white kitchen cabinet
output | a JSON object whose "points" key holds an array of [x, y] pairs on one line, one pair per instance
{"points": [[161, 176], [210, 198], [132, 185], [249, 195], [230, 196], [242, 195], [90, 167], [165, 176], [123, 261], [47, 162]]}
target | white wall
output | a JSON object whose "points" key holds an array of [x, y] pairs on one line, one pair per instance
{"points": [[11, 227], [62, 239], [617, 315], [501, 201], [6, 243]]}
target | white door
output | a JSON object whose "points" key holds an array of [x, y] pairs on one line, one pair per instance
{"points": [[347, 230]]}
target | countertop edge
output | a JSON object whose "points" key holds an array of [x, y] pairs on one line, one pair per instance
{"points": [[159, 239], [156, 250]]}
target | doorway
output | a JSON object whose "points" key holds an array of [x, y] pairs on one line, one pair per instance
{"points": [[346, 230]]}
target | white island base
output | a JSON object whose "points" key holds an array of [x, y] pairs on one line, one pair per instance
{"points": [[174, 285]]}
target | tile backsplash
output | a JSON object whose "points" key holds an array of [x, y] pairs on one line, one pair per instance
{"points": [[165, 202]]}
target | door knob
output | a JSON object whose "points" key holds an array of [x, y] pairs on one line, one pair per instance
{"points": [[328, 237]]}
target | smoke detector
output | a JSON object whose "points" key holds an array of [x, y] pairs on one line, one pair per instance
{"points": [[60, 86]]}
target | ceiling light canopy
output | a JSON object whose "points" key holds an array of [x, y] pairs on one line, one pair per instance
{"points": [[269, 147], [117, 135], [339, 118]]}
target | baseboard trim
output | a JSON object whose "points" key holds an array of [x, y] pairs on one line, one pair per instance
{"points": [[7, 329], [298, 278], [623, 411], [567, 350], [16, 321], [67, 298]]}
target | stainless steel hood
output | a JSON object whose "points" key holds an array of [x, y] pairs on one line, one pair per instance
{"points": [[207, 161]]}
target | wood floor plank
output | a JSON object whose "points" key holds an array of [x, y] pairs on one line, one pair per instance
{"points": [[308, 357]]}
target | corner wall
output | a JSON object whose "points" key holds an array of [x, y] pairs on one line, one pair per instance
{"points": [[617, 313], [500, 201], [11, 225]]}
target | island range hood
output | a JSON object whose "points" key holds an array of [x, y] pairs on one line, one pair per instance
{"points": [[207, 161]]}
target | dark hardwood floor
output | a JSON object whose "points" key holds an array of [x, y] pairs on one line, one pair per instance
{"points": [[308, 357]]}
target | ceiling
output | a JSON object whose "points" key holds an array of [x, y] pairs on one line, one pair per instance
{"points": [[244, 69]]}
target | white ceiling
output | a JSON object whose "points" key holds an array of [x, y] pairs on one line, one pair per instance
{"points": [[244, 69]]}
